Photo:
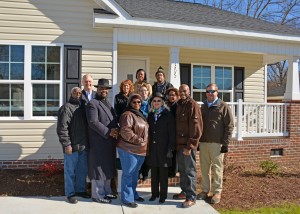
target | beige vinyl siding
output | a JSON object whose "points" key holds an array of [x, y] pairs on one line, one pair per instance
{"points": [[68, 22], [159, 56], [23, 140], [254, 72]]}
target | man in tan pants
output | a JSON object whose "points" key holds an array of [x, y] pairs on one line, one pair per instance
{"points": [[217, 130]]}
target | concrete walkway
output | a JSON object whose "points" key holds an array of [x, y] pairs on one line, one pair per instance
{"points": [[57, 205]]}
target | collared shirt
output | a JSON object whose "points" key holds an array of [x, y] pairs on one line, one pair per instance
{"points": [[89, 95], [210, 104]]}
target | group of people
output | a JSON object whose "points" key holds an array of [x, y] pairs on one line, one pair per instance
{"points": [[154, 127]]}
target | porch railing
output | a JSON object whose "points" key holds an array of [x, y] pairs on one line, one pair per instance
{"points": [[258, 119]]}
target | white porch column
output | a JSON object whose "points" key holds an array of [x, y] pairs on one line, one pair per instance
{"points": [[292, 84], [174, 72]]}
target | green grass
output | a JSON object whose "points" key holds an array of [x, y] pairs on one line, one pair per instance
{"points": [[284, 209]]}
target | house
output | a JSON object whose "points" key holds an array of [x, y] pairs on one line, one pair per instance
{"points": [[46, 46]]}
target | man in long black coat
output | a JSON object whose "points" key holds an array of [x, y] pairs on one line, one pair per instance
{"points": [[103, 131]]}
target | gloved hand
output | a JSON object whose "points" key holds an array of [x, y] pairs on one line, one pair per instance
{"points": [[170, 154], [224, 149]]}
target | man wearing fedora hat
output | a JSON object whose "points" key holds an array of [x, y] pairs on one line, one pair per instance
{"points": [[103, 131]]}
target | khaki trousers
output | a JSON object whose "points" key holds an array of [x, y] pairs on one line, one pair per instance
{"points": [[210, 155]]}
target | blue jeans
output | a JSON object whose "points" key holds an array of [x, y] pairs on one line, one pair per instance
{"points": [[75, 168], [188, 173], [131, 165]]}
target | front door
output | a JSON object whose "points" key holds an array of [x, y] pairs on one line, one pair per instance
{"points": [[128, 67]]}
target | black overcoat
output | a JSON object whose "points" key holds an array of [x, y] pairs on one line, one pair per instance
{"points": [[102, 151], [161, 138]]}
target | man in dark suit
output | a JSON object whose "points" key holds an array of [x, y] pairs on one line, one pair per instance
{"points": [[87, 93], [103, 131]]}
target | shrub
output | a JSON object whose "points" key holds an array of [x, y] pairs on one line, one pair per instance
{"points": [[50, 168], [269, 167]]}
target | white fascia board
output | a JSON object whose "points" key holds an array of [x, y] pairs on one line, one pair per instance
{"points": [[112, 5], [115, 21]]}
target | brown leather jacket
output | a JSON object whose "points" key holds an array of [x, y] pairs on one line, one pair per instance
{"points": [[189, 124], [133, 134]]}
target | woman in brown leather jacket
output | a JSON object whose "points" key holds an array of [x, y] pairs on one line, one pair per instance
{"points": [[132, 146]]}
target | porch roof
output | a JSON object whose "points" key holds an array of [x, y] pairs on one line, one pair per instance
{"points": [[194, 13]]}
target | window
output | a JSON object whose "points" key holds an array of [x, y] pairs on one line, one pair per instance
{"points": [[30, 81], [202, 75]]}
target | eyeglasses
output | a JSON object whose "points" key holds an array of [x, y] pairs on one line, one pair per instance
{"points": [[136, 102], [156, 101], [210, 91]]}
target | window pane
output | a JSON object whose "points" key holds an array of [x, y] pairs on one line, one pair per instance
{"points": [[4, 71], [197, 71], [219, 82], [225, 97], [219, 72], [11, 100], [17, 71], [45, 99], [4, 53], [38, 91], [53, 54], [206, 71], [53, 72], [38, 54], [227, 84], [205, 82], [17, 53], [4, 91], [17, 100], [196, 96], [38, 72], [227, 72], [196, 83]]}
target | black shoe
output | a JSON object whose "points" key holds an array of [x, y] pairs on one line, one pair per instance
{"points": [[161, 200], [130, 204], [101, 200], [83, 194], [152, 198], [111, 196], [140, 199], [72, 199]]}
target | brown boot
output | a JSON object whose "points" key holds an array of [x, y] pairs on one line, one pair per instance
{"points": [[216, 198]]}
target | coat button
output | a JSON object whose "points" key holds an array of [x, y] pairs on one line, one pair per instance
{"points": [[154, 142], [153, 132]]}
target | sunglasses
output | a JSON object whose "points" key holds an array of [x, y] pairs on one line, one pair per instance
{"points": [[156, 101], [210, 91], [136, 102]]}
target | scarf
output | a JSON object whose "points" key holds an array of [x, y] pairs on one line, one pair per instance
{"points": [[157, 112]]}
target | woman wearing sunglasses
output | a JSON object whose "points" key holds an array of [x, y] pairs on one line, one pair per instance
{"points": [[161, 143], [132, 146]]}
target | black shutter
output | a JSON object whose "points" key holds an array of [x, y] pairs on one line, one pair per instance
{"points": [[185, 74], [239, 75], [72, 72]]}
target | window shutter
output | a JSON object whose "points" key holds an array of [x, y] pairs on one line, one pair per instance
{"points": [[238, 83], [185, 74], [72, 72]]}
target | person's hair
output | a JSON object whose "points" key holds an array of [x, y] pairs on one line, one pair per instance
{"points": [[127, 82], [145, 75], [85, 76], [75, 89], [132, 97], [160, 70], [173, 89], [213, 84], [145, 86]]}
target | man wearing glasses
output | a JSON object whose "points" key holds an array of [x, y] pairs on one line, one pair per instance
{"points": [[217, 130], [188, 133]]}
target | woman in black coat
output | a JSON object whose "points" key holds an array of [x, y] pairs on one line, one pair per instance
{"points": [[161, 143]]}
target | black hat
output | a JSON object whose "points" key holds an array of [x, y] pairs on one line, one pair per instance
{"points": [[160, 70], [157, 94], [103, 83]]}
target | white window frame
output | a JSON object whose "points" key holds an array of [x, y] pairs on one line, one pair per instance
{"points": [[28, 82], [213, 77]]}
